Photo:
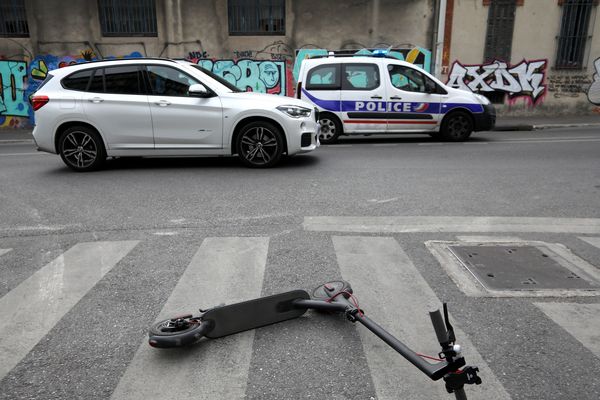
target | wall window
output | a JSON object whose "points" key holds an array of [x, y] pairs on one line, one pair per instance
{"points": [[500, 27], [13, 19], [127, 17], [574, 27], [256, 17]]}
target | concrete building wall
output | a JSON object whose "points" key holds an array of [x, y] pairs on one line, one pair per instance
{"points": [[67, 32], [537, 87]]}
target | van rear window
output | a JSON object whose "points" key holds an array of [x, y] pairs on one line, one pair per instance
{"points": [[324, 77]]}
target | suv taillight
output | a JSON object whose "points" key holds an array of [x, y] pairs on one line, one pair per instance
{"points": [[299, 90], [38, 102]]}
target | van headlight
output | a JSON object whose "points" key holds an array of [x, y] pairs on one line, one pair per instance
{"points": [[295, 111]]}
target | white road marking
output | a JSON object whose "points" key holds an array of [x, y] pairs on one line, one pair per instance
{"points": [[395, 295], [23, 154], [4, 251], [32, 309], [594, 241], [452, 224], [223, 270], [580, 320]]}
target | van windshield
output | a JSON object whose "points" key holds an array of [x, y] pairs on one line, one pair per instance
{"points": [[217, 78]]}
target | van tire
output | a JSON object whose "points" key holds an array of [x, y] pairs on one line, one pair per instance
{"points": [[331, 128], [457, 126]]}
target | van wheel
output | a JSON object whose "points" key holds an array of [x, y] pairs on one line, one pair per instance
{"points": [[260, 144], [331, 129], [81, 149], [457, 127]]}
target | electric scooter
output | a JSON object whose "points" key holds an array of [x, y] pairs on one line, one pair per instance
{"points": [[332, 297]]}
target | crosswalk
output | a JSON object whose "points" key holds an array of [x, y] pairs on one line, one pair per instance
{"points": [[389, 285]]}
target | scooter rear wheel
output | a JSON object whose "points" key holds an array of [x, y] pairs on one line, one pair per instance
{"points": [[178, 331]]}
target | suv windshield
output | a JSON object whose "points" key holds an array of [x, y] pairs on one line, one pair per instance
{"points": [[217, 78]]}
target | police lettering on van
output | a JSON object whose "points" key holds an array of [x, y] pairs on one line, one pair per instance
{"points": [[366, 94]]}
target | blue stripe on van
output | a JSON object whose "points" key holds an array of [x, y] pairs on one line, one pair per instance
{"points": [[390, 106]]}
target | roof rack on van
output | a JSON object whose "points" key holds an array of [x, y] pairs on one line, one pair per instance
{"points": [[130, 58], [378, 53]]}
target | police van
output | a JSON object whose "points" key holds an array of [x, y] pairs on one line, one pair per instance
{"points": [[381, 94]]}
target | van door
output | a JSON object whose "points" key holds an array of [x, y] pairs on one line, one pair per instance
{"points": [[363, 105], [412, 100]]}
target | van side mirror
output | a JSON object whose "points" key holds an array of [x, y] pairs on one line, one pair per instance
{"points": [[199, 90]]}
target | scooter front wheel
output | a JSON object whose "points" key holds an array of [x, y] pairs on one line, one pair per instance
{"points": [[178, 331]]}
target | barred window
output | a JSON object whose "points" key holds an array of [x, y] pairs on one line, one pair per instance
{"points": [[500, 26], [256, 17], [13, 19], [573, 33], [127, 17]]}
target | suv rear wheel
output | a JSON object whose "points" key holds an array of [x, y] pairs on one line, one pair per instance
{"points": [[81, 149]]}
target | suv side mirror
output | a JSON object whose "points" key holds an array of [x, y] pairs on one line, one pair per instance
{"points": [[199, 90]]}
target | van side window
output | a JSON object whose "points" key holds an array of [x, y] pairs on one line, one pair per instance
{"points": [[408, 79], [324, 77], [360, 77]]}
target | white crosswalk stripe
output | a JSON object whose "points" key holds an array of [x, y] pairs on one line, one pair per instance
{"points": [[580, 320], [223, 270], [4, 251], [384, 276], [50, 293]]}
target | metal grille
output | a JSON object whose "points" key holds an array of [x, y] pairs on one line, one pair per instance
{"points": [[256, 17], [500, 26], [573, 33], [127, 17], [13, 19]]}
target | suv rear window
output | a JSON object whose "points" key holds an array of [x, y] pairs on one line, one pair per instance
{"points": [[122, 80], [324, 77], [78, 80]]}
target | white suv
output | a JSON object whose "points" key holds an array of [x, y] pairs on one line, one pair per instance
{"points": [[159, 107]]}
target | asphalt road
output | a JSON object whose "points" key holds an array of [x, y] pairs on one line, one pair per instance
{"points": [[89, 261]]}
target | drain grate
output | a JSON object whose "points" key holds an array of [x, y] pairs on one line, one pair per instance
{"points": [[510, 267]]}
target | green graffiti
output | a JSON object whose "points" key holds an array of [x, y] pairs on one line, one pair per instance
{"points": [[13, 75]]}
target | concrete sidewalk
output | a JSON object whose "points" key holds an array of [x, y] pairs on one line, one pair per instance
{"points": [[502, 124]]}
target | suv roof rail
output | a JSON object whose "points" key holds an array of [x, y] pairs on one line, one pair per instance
{"points": [[127, 59]]}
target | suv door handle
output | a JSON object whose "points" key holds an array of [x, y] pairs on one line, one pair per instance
{"points": [[396, 98], [162, 103], [376, 97], [96, 100]]}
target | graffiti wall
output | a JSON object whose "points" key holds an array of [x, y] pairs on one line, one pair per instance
{"points": [[419, 56], [22, 78], [263, 76], [594, 89], [524, 80]]}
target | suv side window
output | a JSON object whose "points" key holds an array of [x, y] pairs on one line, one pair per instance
{"points": [[324, 77], [97, 82], [77, 81], [360, 77], [167, 81], [122, 80], [408, 79]]}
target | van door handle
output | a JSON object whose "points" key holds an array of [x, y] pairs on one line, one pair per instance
{"points": [[162, 103], [396, 98], [376, 97], [96, 100]]}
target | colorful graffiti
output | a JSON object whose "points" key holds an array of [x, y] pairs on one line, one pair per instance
{"points": [[594, 90], [523, 80], [20, 80], [263, 76], [419, 56]]}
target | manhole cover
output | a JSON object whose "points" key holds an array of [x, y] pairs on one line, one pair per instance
{"points": [[509, 267]]}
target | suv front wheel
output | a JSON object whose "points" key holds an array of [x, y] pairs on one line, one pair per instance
{"points": [[260, 144], [81, 149]]}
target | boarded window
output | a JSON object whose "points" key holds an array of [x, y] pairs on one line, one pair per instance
{"points": [[13, 19], [573, 36], [256, 17], [500, 26], [127, 17]]}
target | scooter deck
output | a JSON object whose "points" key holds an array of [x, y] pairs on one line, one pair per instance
{"points": [[251, 314]]}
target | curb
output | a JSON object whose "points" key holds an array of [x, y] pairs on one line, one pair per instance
{"points": [[16, 141], [536, 127]]}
